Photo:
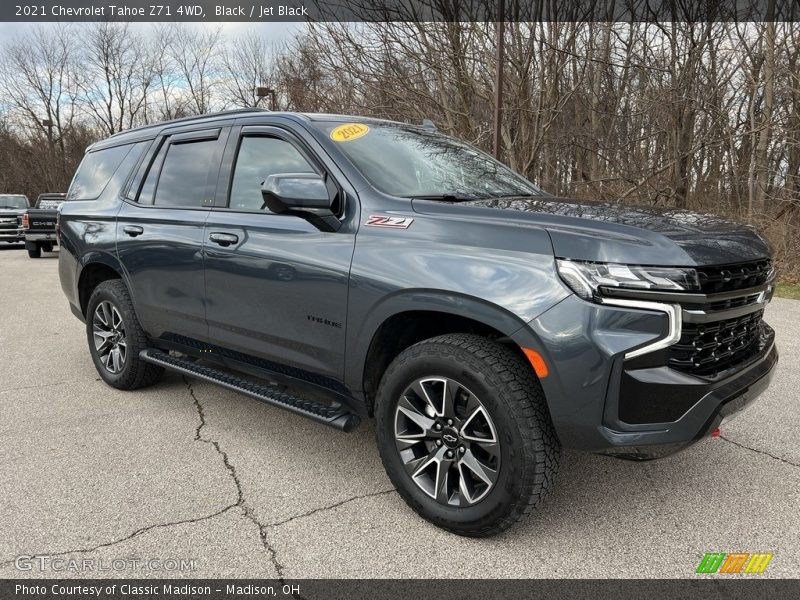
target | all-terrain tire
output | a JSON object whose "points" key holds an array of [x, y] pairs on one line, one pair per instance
{"points": [[135, 373], [507, 387]]}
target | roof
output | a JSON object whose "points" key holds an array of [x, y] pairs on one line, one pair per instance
{"points": [[143, 131]]}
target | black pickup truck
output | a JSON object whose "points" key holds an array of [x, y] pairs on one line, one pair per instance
{"points": [[39, 224], [12, 207], [401, 274]]}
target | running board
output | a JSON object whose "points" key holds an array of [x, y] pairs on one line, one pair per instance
{"points": [[334, 416]]}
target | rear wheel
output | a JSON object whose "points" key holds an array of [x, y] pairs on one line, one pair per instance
{"points": [[47, 247], [116, 338], [465, 435], [34, 251]]}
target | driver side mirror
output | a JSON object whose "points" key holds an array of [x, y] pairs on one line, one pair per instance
{"points": [[301, 194]]}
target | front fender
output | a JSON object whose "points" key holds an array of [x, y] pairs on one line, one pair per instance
{"points": [[499, 275], [360, 335]]}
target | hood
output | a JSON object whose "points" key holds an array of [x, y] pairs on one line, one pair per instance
{"points": [[614, 232], [12, 212]]}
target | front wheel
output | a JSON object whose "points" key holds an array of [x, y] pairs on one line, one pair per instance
{"points": [[464, 433], [116, 338]]}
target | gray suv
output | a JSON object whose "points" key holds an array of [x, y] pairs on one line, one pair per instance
{"points": [[345, 268]]}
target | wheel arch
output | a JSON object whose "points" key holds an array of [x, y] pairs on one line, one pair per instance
{"points": [[96, 268], [410, 317]]}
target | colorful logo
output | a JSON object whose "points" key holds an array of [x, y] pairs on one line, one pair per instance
{"points": [[734, 562]]}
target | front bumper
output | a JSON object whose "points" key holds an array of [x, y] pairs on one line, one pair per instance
{"points": [[12, 235], [592, 374], [711, 403]]}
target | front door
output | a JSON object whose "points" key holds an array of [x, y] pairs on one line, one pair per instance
{"points": [[276, 286]]}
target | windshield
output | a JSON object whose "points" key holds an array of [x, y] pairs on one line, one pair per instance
{"points": [[13, 201], [413, 162], [49, 201]]}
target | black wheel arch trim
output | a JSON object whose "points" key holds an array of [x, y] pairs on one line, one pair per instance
{"points": [[105, 259], [362, 330]]}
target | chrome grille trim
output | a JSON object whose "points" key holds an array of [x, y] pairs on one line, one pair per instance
{"points": [[708, 332], [674, 327]]}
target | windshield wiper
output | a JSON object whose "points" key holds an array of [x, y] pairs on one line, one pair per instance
{"points": [[529, 195], [446, 197]]}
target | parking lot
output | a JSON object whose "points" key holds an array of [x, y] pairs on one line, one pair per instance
{"points": [[186, 470]]}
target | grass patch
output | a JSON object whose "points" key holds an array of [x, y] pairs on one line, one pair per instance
{"points": [[785, 289]]}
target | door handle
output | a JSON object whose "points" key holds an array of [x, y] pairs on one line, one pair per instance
{"points": [[133, 230], [223, 239]]}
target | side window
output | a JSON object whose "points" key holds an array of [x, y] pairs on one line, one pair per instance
{"points": [[258, 157], [149, 185], [117, 182], [184, 175], [96, 170]]}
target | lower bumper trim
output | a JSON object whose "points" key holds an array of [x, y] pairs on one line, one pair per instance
{"points": [[703, 418]]}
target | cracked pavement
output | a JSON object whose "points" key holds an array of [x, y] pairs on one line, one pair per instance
{"points": [[188, 470]]}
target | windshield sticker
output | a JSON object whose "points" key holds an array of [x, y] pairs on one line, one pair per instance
{"points": [[392, 222], [349, 131]]}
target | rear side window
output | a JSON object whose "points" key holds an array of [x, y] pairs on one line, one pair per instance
{"points": [[184, 176], [95, 171]]}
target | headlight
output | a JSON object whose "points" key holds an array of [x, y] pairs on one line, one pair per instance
{"points": [[585, 278]]}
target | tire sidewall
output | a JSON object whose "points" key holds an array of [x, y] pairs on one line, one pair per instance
{"points": [[479, 382]]}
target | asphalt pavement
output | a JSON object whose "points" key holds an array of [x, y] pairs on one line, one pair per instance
{"points": [[186, 471]]}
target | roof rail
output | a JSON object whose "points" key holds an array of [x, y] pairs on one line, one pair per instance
{"points": [[235, 111]]}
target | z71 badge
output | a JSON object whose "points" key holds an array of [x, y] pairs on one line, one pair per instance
{"points": [[393, 222]]}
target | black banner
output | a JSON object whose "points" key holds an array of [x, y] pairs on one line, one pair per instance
{"points": [[401, 10], [728, 588]]}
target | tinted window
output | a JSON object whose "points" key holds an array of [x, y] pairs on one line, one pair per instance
{"points": [[126, 166], [183, 178], [149, 185], [95, 171], [257, 158]]}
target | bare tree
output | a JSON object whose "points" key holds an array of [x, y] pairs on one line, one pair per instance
{"points": [[115, 78], [38, 79], [195, 54], [246, 65]]}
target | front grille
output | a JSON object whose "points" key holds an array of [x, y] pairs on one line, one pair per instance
{"points": [[720, 305], [706, 348], [726, 278], [9, 227]]}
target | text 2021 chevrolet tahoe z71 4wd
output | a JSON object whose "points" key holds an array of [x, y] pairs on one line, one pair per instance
{"points": [[400, 274]]}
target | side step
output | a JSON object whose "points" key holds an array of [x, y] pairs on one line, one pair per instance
{"points": [[333, 416]]}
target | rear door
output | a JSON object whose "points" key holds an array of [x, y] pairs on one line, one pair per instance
{"points": [[276, 286], [160, 232]]}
